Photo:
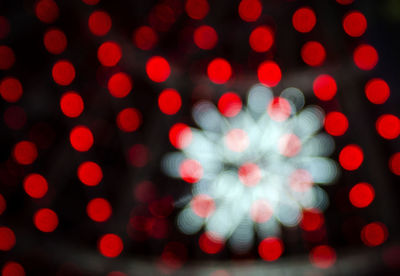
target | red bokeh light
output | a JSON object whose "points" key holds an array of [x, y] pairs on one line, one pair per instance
{"points": [[12, 269], [261, 39], [313, 53], [394, 163], [229, 104], [270, 249], [46, 11], [46, 220], [190, 170], [109, 53], [250, 10], [336, 123], [205, 37], [81, 138], [119, 85], [63, 72], [169, 101], [203, 205], [269, 73], [25, 152], [365, 57], [99, 209], [71, 104], [7, 57], [145, 38], [304, 20], [35, 185], [129, 119], [279, 109], [324, 87], [289, 145], [7, 238], [110, 245], [311, 220], [211, 243], [99, 23], [354, 24], [351, 157], [55, 41], [219, 71], [11, 89], [90, 173], [374, 234], [323, 256], [158, 69], [197, 9], [237, 140], [388, 126], [361, 195], [261, 211], [180, 136], [249, 174], [377, 91]]}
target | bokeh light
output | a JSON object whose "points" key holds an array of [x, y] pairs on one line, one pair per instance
{"points": [[145, 38], [313, 53], [11, 89], [109, 53], [336, 123], [81, 138], [99, 209], [99, 23], [323, 256], [377, 91], [354, 24], [63, 72], [46, 220], [324, 87], [158, 69], [361, 195], [90, 173], [35, 185], [219, 71], [304, 19], [205, 37], [365, 57], [129, 119], [7, 238], [197, 9], [388, 126], [269, 73], [55, 41], [71, 104], [7, 57], [169, 101], [351, 157], [229, 104], [110, 245], [46, 11], [250, 10], [25, 152], [261, 39], [119, 85], [270, 249], [374, 234]]}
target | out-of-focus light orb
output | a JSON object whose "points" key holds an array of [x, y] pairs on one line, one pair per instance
{"points": [[324, 87], [7, 238], [71, 104], [25, 152], [109, 53], [46, 11], [323, 256], [250, 10], [81, 138], [110, 245], [205, 37], [99, 23], [313, 53], [351, 157], [46, 220], [158, 69], [270, 249], [394, 163], [210, 243], [365, 57], [304, 19], [129, 119], [55, 41], [230, 104], [388, 126], [63, 72], [361, 195], [119, 85], [311, 220], [145, 38], [11, 89], [197, 9], [261, 39], [99, 209], [253, 171], [336, 123], [12, 269], [377, 91], [374, 234], [169, 101], [269, 73], [354, 24], [90, 173], [35, 185], [219, 71]]}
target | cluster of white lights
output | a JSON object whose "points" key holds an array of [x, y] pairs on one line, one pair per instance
{"points": [[253, 171]]}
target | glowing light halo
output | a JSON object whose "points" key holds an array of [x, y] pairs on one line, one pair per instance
{"points": [[280, 176]]}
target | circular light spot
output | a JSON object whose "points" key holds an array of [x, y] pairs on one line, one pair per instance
{"points": [[7, 238], [180, 136], [269, 73], [311, 220], [191, 170], [313, 53], [55, 41], [211, 243], [219, 71], [289, 145], [12, 269], [237, 140], [109, 53], [145, 38], [324, 87], [374, 234], [63, 72], [71, 104], [261, 39], [81, 138], [119, 85], [261, 211], [304, 20], [250, 10], [323, 256], [354, 24], [35, 185], [361, 195], [351, 157], [300, 181], [388, 126], [11, 89], [129, 119], [25, 152], [336, 123], [197, 9], [205, 37], [7, 57], [270, 249], [203, 205], [90, 173], [99, 23], [365, 57], [394, 163], [169, 101], [46, 11], [279, 109], [45, 220], [377, 91], [99, 209], [110, 245], [158, 69], [249, 174], [229, 104]]}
